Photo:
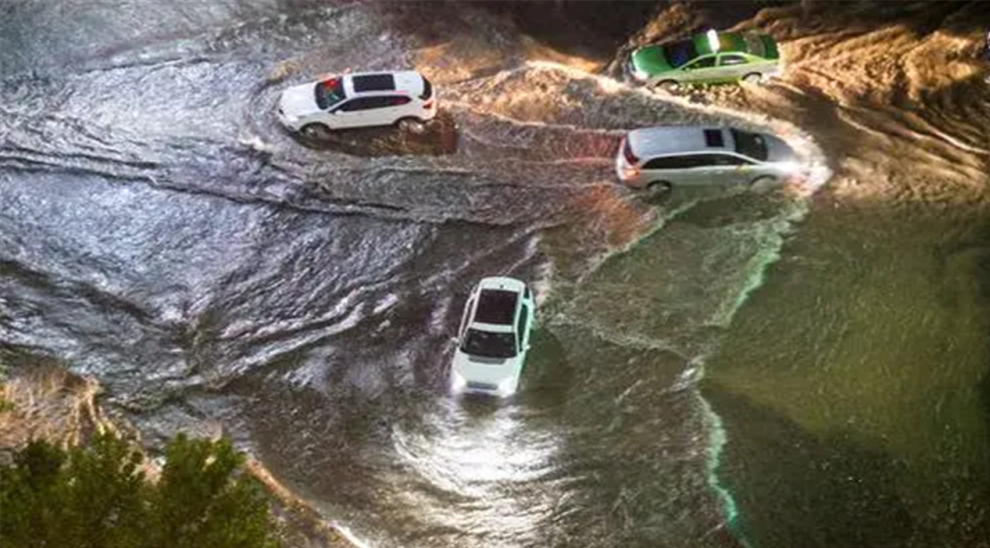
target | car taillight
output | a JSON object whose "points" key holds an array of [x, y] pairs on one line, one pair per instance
{"points": [[628, 154], [630, 173], [428, 105]]}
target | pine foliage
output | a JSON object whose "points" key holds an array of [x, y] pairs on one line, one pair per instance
{"points": [[99, 497]]}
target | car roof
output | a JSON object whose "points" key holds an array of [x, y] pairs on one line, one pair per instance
{"points": [[653, 141], [496, 307], [498, 302], [386, 82]]}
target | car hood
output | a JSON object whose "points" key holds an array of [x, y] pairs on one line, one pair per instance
{"points": [[650, 59], [778, 150], [299, 101], [484, 370]]}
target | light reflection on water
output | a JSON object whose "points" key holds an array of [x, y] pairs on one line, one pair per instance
{"points": [[472, 452]]}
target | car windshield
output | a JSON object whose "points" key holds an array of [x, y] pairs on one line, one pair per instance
{"points": [[750, 144], [329, 93], [679, 53], [488, 344], [754, 45]]}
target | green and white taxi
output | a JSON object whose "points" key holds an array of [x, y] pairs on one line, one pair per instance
{"points": [[707, 58]]}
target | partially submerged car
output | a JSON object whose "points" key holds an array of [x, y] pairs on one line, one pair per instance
{"points": [[661, 158], [493, 338], [710, 57], [356, 100]]}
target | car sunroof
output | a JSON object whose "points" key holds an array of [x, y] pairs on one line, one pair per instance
{"points": [[713, 138], [374, 82], [496, 306]]}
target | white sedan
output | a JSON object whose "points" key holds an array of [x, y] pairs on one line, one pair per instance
{"points": [[493, 338]]}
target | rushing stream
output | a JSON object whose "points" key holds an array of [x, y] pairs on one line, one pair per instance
{"points": [[796, 369]]}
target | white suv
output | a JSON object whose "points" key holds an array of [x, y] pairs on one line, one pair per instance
{"points": [[665, 157], [358, 100], [493, 338]]}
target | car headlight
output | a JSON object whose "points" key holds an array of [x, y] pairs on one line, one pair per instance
{"points": [[639, 75], [505, 387], [457, 382], [789, 167]]}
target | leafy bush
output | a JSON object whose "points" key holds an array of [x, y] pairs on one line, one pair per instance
{"points": [[99, 497]]}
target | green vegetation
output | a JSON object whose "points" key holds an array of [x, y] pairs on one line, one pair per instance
{"points": [[99, 497], [4, 404]]}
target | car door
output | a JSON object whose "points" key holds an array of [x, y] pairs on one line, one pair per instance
{"points": [[698, 70], [721, 168], [731, 66], [357, 112], [735, 169], [395, 108], [674, 169]]}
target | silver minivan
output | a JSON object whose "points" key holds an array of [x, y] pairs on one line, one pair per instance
{"points": [[662, 158]]}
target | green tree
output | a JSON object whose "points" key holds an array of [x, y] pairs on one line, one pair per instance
{"points": [[98, 497], [201, 500], [27, 488]]}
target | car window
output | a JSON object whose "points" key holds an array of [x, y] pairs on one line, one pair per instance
{"points": [[329, 93], [373, 82], [729, 59], [704, 62], [751, 145], [728, 160], [671, 162], [754, 44], [364, 103], [398, 100], [712, 160], [488, 344], [521, 326], [427, 90], [680, 53]]}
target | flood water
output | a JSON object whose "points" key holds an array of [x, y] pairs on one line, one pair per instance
{"points": [[711, 369]]}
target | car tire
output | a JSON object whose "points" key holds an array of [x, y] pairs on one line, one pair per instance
{"points": [[315, 131], [670, 86], [763, 184], [412, 125], [753, 78], [659, 187]]}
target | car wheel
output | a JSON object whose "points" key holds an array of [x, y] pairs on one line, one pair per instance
{"points": [[660, 187], [753, 78], [669, 86], [412, 125], [764, 184], [316, 131]]}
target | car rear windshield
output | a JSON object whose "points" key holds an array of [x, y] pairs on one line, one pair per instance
{"points": [[329, 93], [496, 306], [489, 345], [374, 82], [427, 90], [752, 145], [679, 53]]}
